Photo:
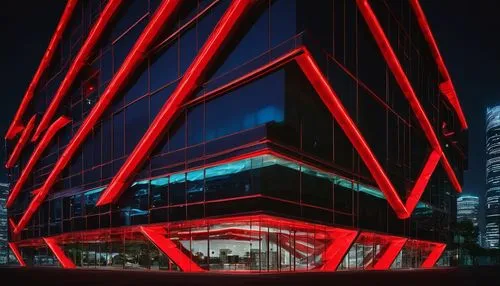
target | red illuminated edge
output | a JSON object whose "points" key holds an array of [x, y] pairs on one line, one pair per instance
{"points": [[78, 63], [59, 253], [23, 140], [40, 148], [341, 240], [446, 87], [17, 254], [187, 86], [162, 15], [17, 125], [405, 85]]}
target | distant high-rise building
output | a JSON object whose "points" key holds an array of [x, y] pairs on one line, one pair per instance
{"points": [[4, 250], [493, 177], [468, 209]]}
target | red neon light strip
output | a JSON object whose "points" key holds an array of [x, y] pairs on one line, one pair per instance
{"points": [[190, 81], [389, 254], [40, 148], [434, 256], [59, 253], [157, 237], [17, 125], [446, 87], [79, 62], [418, 189], [162, 15], [335, 252], [404, 83], [17, 254], [14, 156], [333, 103]]}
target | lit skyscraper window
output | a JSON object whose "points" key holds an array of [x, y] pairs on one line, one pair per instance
{"points": [[493, 177], [468, 209]]}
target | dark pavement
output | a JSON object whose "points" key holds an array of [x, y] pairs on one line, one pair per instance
{"points": [[56, 276]]}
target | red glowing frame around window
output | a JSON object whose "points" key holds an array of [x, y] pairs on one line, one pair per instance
{"points": [[405, 85], [137, 54], [312, 72], [446, 87], [23, 140], [40, 148], [79, 62], [17, 125]]}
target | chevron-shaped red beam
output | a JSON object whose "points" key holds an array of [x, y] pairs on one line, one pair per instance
{"points": [[23, 140], [17, 124], [434, 255], [163, 14], [446, 87], [389, 253], [40, 148], [79, 62], [191, 80], [405, 85]]}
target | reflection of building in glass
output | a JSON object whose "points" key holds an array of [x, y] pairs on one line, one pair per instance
{"points": [[468, 209], [492, 238], [238, 136], [4, 250]]}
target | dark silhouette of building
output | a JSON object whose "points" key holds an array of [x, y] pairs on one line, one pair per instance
{"points": [[237, 136]]}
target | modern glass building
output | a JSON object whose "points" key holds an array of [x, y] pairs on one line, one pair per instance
{"points": [[492, 234], [245, 135], [468, 209]]}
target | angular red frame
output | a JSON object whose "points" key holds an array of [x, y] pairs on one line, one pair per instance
{"points": [[446, 87], [23, 140], [186, 87], [405, 85], [40, 148], [163, 14], [435, 249], [79, 62], [17, 125]]}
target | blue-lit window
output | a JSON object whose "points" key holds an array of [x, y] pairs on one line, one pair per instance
{"points": [[252, 105]]}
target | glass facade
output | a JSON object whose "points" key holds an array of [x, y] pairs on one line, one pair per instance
{"points": [[254, 137], [492, 234]]}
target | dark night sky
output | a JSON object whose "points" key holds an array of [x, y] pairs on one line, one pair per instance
{"points": [[466, 31]]}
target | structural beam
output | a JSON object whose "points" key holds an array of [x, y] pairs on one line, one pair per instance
{"points": [[17, 254], [446, 87], [59, 253], [341, 241], [23, 140], [161, 17], [157, 236], [189, 83], [40, 148], [434, 256], [79, 62], [389, 254], [17, 124], [405, 85]]}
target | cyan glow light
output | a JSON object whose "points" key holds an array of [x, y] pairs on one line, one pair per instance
{"points": [[257, 163]]}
